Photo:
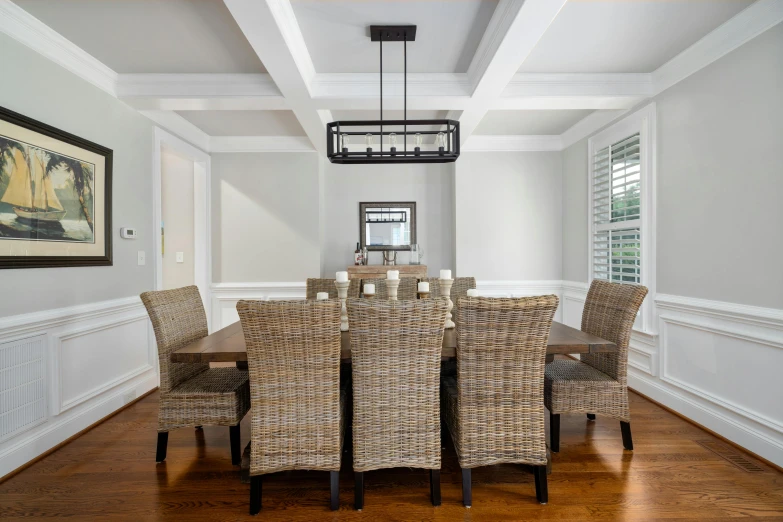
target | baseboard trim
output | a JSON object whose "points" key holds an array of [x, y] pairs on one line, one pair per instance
{"points": [[74, 437]]}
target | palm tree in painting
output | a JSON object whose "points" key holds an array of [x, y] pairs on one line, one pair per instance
{"points": [[7, 154], [81, 176]]}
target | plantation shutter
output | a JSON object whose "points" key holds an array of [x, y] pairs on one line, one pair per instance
{"points": [[616, 212]]}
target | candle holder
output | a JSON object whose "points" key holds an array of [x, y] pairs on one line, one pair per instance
{"points": [[391, 288], [342, 294], [423, 295], [445, 291]]}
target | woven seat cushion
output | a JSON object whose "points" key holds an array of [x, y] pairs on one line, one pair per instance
{"points": [[570, 370], [214, 397]]}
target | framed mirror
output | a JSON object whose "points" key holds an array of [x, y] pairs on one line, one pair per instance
{"points": [[387, 225]]}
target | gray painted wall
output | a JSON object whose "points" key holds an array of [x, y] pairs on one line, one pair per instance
{"points": [[509, 215], [720, 177], [49, 93], [430, 186], [265, 217]]}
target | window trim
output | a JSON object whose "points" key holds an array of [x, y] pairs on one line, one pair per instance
{"points": [[642, 121]]}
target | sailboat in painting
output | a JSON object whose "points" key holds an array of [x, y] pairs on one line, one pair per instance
{"points": [[30, 191]]}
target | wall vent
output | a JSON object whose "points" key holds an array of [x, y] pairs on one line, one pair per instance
{"points": [[730, 454], [22, 385]]}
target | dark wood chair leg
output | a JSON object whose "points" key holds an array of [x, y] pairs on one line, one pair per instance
{"points": [[435, 487], [625, 428], [163, 441], [591, 416], [334, 482], [467, 494], [554, 431], [255, 494], [199, 427], [358, 493], [236, 451], [542, 493]]}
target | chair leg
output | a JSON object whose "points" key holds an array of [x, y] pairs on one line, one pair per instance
{"points": [[591, 416], [236, 451], [358, 493], [467, 494], [542, 493], [163, 441], [255, 494], [554, 431], [334, 482], [625, 428], [435, 487]]}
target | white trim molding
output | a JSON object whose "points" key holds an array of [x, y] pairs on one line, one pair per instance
{"points": [[85, 381], [260, 144], [486, 143], [226, 295]]}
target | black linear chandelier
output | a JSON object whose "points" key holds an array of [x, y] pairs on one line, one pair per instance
{"points": [[341, 134]]}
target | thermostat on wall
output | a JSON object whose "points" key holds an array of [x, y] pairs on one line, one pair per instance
{"points": [[128, 233]]}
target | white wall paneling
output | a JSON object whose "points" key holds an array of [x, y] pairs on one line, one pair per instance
{"points": [[225, 297], [98, 357]]}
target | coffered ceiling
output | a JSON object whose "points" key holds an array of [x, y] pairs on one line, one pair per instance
{"points": [[284, 68]]}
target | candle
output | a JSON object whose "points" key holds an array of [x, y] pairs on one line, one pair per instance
{"points": [[393, 274], [424, 286], [342, 277], [445, 274], [322, 296], [369, 289], [473, 293]]}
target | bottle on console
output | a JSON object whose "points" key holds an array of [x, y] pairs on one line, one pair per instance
{"points": [[357, 255]]}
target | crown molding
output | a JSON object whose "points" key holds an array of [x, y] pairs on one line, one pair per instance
{"points": [[744, 26], [514, 143], [260, 144], [28, 30], [590, 124]]}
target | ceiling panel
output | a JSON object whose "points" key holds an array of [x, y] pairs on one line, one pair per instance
{"points": [[152, 36], [544, 122], [245, 123], [337, 33], [634, 36]]}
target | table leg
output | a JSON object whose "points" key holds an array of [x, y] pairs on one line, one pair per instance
{"points": [[242, 365], [550, 357]]}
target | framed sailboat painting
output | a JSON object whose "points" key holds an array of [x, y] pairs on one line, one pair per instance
{"points": [[55, 197]]}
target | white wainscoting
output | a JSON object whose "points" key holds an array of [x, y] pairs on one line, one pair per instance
{"points": [[99, 357], [714, 362], [226, 295]]}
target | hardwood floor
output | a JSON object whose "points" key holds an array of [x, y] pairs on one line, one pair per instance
{"points": [[109, 473]]}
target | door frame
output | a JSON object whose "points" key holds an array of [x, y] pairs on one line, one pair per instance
{"points": [[202, 224]]}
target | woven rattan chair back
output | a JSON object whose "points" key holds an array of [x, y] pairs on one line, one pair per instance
{"points": [[501, 353], [293, 354], [458, 289], [405, 292], [178, 319], [315, 285], [610, 311], [395, 353]]}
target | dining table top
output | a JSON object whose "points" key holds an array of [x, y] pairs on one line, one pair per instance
{"points": [[228, 345]]}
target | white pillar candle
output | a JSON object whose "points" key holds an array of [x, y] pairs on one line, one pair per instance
{"points": [[369, 289], [322, 296], [445, 274], [473, 292], [393, 274], [342, 277], [424, 286]]}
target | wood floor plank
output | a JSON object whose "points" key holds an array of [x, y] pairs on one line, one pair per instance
{"points": [[109, 473]]}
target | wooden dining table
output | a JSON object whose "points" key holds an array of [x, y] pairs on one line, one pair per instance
{"points": [[228, 345]]}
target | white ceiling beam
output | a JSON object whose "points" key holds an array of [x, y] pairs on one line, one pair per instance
{"points": [[260, 144], [515, 28], [176, 124], [181, 92], [272, 30], [515, 143]]}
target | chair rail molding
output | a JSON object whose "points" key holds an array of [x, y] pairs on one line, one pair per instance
{"points": [[85, 381]]}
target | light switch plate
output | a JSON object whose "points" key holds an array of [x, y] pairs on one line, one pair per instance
{"points": [[142, 258], [180, 257]]}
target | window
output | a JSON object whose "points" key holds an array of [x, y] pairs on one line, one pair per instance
{"points": [[622, 197]]}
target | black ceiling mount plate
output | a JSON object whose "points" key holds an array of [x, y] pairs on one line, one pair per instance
{"points": [[393, 33]]}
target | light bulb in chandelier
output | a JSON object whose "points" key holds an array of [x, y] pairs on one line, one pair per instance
{"points": [[418, 139], [393, 141], [441, 142], [344, 142], [368, 142]]}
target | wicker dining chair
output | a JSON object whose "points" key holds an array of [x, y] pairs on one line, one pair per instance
{"points": [[395, 351], [405, 292], [192, 394], [598, 383], [315, 285], [298, 407], [494, 408]]}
